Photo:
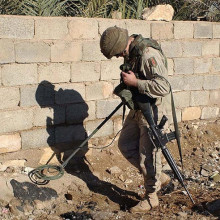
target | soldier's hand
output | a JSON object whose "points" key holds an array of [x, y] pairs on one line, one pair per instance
{"points": [[129, 78]]}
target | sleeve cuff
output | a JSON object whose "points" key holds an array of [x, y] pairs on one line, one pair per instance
{"points": [[141, 86]]}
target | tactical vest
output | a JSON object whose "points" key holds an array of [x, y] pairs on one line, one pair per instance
{"points": [[132, 62], [136, 50]]}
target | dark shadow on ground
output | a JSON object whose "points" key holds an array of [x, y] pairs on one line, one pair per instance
{"points": [[30, 192]]}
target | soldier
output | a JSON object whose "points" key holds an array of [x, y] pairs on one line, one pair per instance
{"points": [[147, 75]]}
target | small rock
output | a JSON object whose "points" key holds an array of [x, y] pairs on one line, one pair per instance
{"points": [[114, 170], [6, 190], [182, 214], [15, 207], [14, 163], [215, 177], [10, 170], [2, 167], [122, 178], [28, 208], [166, 167], [211, 133], [39, 204], [158, 13], [26, 170], [128, 181], [204, 173]]}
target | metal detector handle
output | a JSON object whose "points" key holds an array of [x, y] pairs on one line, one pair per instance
{"points": [[87, 139], [145, 108]]}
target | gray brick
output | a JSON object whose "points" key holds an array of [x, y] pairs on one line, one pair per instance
{"points": [[180, 83], [183, 30], [85, 71], [117, 125], [16, 27], [9, 97], [215, 97], [96, 54], [7, 54], [42, 95], [199, 98], [72, 133], [29, 52], [43, 117], [193, 82], [106, 23], [99, 90], [110, 69], [170, 67], [192, 48], [172, 48], [210, 48], [138, 27], [216, 30], [37, 138], [18, 120], [181, 99], [76, 113], [162, 30], [83, 28], [212, 82], [49, 116], [106, 130], [203, 30], [0, 75], [19, 74], [28, 96], [51, 28], [70, 93], [10, 143], [202, 65], [54, 72], [66, 51], [191, 113], [216, 64], [183, 65], [209, 112], [91, 110], [105, 107], [177, 83]]}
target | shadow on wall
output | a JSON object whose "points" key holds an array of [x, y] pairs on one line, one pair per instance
{"points": [[66, 132], [65, 127]]}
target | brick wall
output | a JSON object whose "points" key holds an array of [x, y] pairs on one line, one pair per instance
{"points": [[56, 86]]}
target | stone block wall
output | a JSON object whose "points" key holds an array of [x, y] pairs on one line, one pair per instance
{"points": [[56, 86]]}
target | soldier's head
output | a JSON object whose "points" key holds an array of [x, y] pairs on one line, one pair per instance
{"points": [[113, 42]]}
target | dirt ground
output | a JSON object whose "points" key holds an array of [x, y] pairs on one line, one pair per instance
{"points": [[105, 185]]}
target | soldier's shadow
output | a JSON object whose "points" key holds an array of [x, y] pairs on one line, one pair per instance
{"points": [[66, 132]]}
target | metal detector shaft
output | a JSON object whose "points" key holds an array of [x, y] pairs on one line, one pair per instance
{"points": [[87, 139]]}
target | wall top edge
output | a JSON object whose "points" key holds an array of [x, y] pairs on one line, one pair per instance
{"points": [[103, 19]]}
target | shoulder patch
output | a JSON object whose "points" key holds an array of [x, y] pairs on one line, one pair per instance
{"points": [[152, 62]]}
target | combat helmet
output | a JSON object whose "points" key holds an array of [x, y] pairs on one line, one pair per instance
{"points": [[113, 41]]}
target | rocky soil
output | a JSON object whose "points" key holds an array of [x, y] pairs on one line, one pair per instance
{"points": [[105, 185]]}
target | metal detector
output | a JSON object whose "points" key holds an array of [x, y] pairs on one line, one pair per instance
{"points": [[43, 174]]}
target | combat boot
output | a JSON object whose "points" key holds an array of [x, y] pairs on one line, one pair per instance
{"points": [[150, 201], [164, 179]]}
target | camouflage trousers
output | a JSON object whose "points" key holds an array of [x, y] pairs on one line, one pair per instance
{"points": [[135, 145]]}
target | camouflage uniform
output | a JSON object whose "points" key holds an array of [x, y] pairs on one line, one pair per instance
{"points": [[134, 141]]}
